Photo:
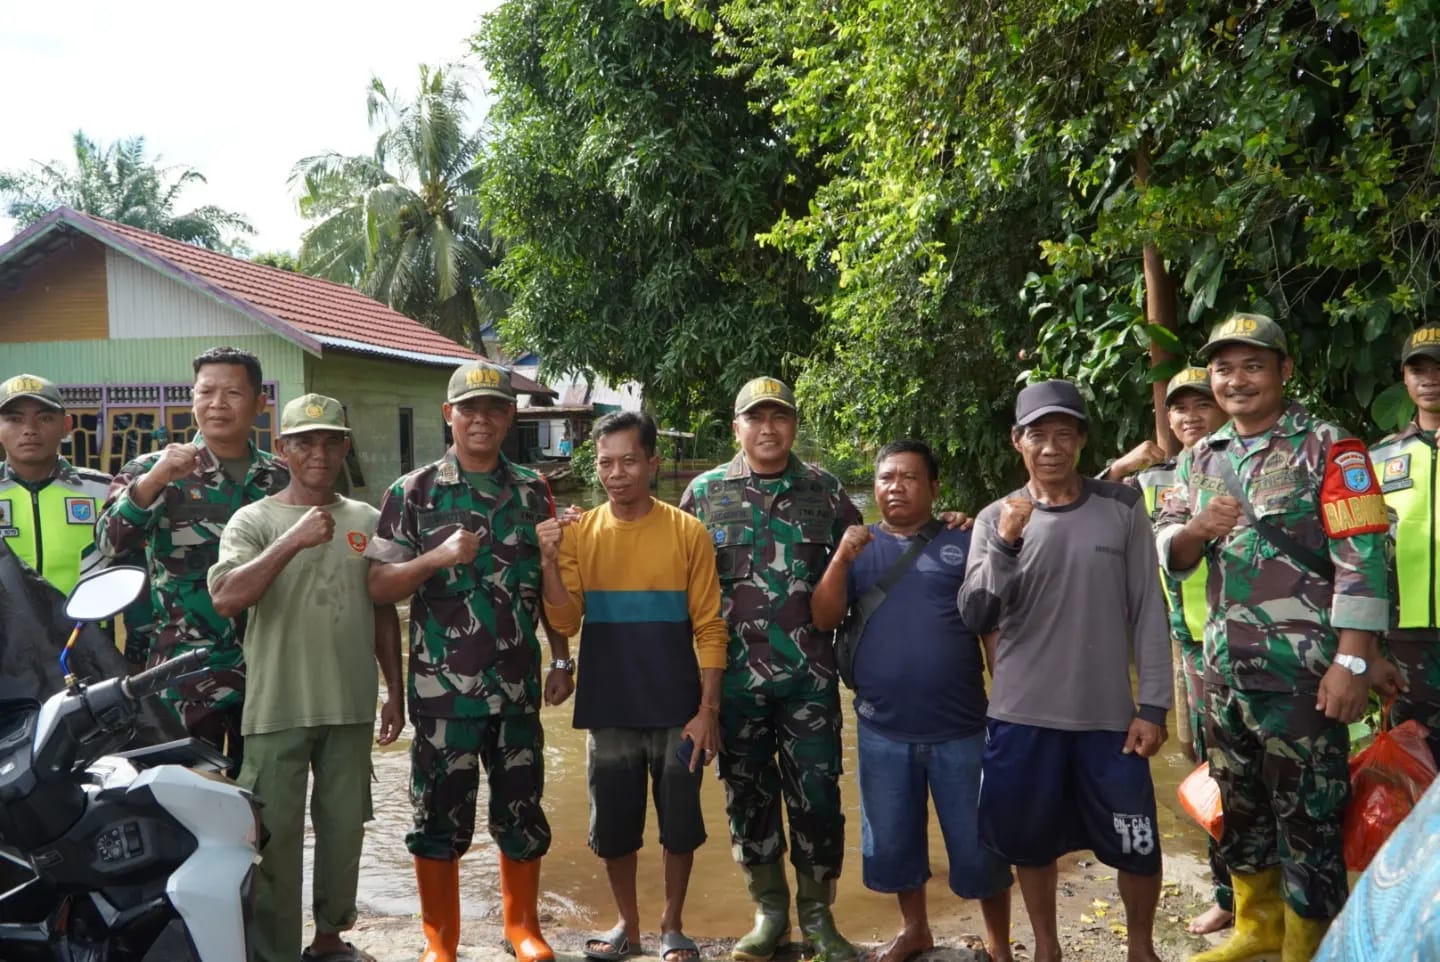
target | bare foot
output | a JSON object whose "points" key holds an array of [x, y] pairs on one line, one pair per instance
{"points": [[905, 946], [995, 954], [1142, 954], [1212, 919]]}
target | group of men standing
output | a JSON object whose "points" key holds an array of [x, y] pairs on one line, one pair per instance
{"points": [[705, 634]]}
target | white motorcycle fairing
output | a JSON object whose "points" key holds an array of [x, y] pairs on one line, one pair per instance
{"points": [[206, 889]]}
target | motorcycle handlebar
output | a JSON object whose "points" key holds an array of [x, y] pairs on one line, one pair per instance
{"points": [[158, 678]]}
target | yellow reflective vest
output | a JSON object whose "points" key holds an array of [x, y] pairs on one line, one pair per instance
{"points": [[1405, 466], [1186, 599], [53, 529]]}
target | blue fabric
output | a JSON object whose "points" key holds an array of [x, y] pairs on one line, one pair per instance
{"points": [[636, 607], [897, 780], [1394, 910], [918, 667], [1048, 791]]}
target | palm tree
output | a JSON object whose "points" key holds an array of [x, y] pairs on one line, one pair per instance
{"points": [[119, 183], [403, 224]]}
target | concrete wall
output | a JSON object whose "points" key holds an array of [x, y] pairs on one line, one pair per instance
{"points": [[373, 392]]}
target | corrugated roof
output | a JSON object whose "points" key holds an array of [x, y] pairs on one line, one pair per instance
{"points": [[317, 310]]}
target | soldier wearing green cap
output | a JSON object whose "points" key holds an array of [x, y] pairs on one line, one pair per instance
{"points": [[1193, 414], [173, 504], [1405, 463], [47, 505], [1287, 511], [457, 539], [775, 523], [294, 562]]}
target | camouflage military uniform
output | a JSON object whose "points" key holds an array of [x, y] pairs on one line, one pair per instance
{"points": [[180, 535], [1186, 603], [1272, 634], [474, 676], [773, 538], [1406, 465]]}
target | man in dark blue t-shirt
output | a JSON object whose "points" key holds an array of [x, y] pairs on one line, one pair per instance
{"points": [[920, 700]]}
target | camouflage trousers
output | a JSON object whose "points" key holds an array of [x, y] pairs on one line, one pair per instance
{"points": [[446, 756], [1419, 659], [1190, 665], [1283, 772], [780, 739]]}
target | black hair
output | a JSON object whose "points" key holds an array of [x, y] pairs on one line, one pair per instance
{"points": [[910, 446], [618, 421], [232, 355]]}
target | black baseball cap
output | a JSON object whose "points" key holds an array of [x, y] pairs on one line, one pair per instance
{"points": [[1048, 397]]}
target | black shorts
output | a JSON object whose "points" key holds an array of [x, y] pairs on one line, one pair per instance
{"points": [[1045, 792], [621, 764]]}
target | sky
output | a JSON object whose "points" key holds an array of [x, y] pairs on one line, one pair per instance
{"points": [[239, 92]]}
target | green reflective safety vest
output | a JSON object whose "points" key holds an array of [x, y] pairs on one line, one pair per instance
{"points": [[1185, 599], [53, 529], [1405, 466]]}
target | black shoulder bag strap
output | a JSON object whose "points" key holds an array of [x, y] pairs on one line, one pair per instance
{"points": [[1313, 560], [847, 637]]}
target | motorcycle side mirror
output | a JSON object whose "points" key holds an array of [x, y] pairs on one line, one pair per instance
{"points": [[106, 594]]}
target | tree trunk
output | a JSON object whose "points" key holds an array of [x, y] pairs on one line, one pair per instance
{"points": [[1159, 310]]}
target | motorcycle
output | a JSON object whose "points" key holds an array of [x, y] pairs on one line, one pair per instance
{"points": [[118, 856]]}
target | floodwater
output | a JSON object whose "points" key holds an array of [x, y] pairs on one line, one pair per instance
{"points": [[575, 890]]}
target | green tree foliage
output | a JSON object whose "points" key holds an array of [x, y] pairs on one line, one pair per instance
{"points": [[403, 224], [629, 177], [284, 260], [119, 182], [1290, 162]]}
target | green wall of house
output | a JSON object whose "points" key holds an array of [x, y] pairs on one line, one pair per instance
{"points": [[149, 361], [374, 391]]}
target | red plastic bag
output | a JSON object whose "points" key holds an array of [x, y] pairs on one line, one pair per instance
{"points": [[1200, 797], [1386, 780]]}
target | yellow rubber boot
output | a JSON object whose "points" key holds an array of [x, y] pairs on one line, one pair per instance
{"points": [[1260, 917], [1302, 937]]}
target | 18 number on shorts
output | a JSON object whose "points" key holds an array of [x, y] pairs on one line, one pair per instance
{"points": [[1137, 834]]}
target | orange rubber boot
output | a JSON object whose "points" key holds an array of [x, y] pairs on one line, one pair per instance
{"points": [[438, 882], [520, 890]]}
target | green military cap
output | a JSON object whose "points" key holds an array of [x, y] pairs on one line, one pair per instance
{"points": [[479, 379], [1425, 342], [312, 412], [1255, 329], [1190, 379], [33, 387], [764, 390]]}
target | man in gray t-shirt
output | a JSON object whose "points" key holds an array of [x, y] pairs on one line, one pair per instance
{"points": [[1062, 572]]}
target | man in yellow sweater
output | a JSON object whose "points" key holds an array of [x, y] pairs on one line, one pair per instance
{"points": [[652, 655]]}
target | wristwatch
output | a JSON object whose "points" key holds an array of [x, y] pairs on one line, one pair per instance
{"points": [[568, 664], [1354, 664]]}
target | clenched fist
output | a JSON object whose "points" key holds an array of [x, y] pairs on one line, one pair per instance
{"points": [[458, 549], [316, 528], [856, 537], [1014, 516], [177, 461], [550, 533], [1219, 518]]}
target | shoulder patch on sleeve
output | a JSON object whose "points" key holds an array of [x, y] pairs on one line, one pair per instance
{"points": [[1350, 499]]}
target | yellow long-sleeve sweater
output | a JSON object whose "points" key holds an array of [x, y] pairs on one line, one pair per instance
{"points": [[650, 599]]}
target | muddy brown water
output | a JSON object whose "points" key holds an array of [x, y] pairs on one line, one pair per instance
{"points": [[575, 891]]}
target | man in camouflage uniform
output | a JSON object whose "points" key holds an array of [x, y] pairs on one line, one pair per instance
{"points": [[1192, 412], [775, 522], [1406, 464], [457, 540], [174, 504], [1290, 640]]}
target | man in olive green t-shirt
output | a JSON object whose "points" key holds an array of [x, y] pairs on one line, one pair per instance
{"points": [[296, 560]]}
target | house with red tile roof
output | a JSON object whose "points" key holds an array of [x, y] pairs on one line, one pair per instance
{"points": [[115, 314]]}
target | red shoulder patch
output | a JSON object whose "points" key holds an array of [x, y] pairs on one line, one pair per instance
{"points": [[1350, 499]]}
